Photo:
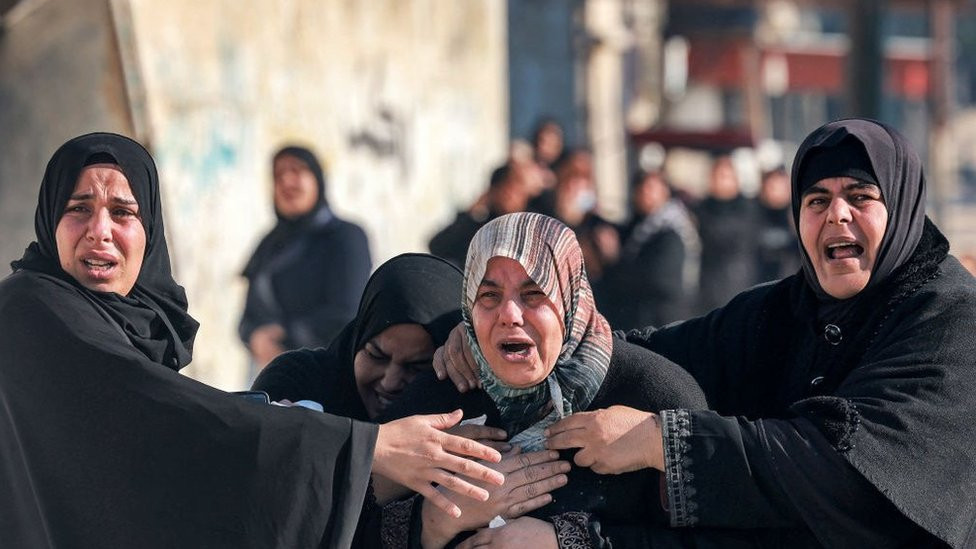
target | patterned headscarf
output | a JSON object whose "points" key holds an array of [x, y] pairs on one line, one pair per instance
{"points": [[551, 256]]}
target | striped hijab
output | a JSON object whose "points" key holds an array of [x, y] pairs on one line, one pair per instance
{"points": [[550, 254]]}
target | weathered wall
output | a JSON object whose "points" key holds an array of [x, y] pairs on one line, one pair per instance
{"points": [[59, 77], [403, 100]]}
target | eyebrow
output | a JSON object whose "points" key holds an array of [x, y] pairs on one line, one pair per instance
{"points": [[125, 201], [493, 284], [856, 185]]}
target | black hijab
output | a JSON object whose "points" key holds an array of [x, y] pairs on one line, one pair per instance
{"points": [[874, 152], [154, 315], [287, 229], [411, 288]]}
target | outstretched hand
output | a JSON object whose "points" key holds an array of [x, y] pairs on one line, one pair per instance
{"points": [[528, 480], [455, 361], [416, 452], [613, 440]]}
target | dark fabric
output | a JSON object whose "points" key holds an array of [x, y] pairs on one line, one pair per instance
{"points": [[618, 503], [408, 289], [843, 158], [308, 280], [898, 170], [867, 442], [646, 286], [728, 235], [104, 445], [153, 316], [777, 255], [452, 241]]}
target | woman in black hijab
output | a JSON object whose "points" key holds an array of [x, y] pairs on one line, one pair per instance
{"points": [[408, 307], [305, 275], [107, 445], [843, 395]]}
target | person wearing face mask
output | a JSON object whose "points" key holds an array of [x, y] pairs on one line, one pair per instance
{"points": [[842, 396], [305, 274], [105, 444]]}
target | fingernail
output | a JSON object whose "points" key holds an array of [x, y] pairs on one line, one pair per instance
{"points": [[461, 387], [456, 512], [564, 467], [562, 479], [506, 447], [553, 454]]}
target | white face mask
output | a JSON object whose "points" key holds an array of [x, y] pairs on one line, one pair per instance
{"points": [[586, 200]]}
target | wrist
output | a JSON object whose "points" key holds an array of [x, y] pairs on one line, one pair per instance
{"points": [[654, 457]]}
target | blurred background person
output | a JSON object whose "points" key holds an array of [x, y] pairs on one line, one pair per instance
{"points": [[727, 226], [506, 194], [547, 142], [777, 255], [306, 275], [574, 202], [646, 287]]}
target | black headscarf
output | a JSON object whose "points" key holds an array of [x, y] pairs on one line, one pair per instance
{"points": [[411, 288], [874, 152], [286, 229], [154, 315]]}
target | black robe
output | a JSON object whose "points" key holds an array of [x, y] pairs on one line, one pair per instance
{"points": [[617, 508], [306, 277], [728, 230], [864, 443]]}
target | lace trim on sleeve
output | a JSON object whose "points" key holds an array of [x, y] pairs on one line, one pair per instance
{"points": [[572, 530], [676, 427]]}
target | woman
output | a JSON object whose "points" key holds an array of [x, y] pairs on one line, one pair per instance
{"points": [[544, 352], [107, 445], [304, 276], [842, 395], [407, 309]]}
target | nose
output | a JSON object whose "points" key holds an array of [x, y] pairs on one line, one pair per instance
{"points": [[394, 379], [839, 211], [100, 226], [510, 313]]}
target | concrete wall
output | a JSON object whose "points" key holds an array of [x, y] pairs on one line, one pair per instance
{"points": [[60, 76], [405, 102]]}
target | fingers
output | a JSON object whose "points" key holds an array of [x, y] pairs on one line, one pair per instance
{"points": [[529, 505], [439, 500], [456, 357], [460, 486], [575, 421], [481, 539], [440, 368], [479, 432], [536, 473], [522, 462], [471, 373], [467, 447], [444, 421], [564, 440]]}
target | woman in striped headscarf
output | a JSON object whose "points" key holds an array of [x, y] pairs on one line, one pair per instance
{"points": [[544, 352]]}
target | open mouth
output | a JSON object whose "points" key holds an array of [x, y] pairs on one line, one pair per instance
{"points": [[515, 350], [98, 266], [844, 250]]}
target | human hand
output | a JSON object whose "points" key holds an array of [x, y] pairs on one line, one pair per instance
{"points": [[489, 436], [265, 343], [528, 480], [613, 440], [517, 534], [454, 360], [415, 452]]}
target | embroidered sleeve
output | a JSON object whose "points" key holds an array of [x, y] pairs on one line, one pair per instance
{"points": [[676, 428], [572, 530]]}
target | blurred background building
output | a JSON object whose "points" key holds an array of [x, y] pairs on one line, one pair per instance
{"points": [[411, 103]]}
